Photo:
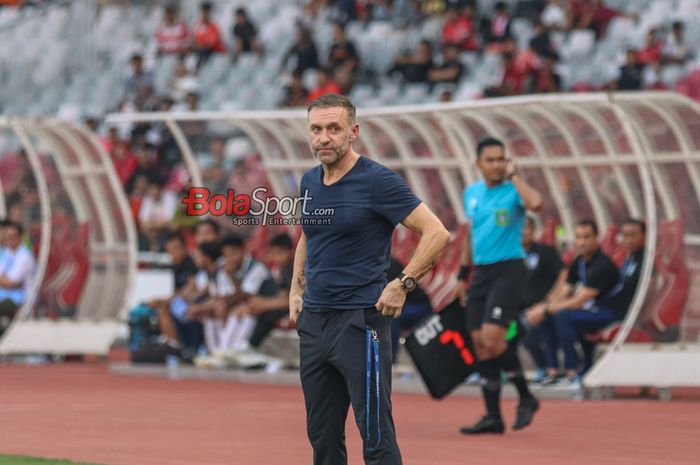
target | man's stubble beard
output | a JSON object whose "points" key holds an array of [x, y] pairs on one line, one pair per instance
{"points": [[340, 153]]}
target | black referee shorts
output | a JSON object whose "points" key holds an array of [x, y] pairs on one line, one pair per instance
{"points": [[495, 294]]}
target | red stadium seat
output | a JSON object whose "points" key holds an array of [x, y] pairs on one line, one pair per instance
{"points": [[437, 283], [69, 267], [549, 232], [609, 240], [666, 309]]}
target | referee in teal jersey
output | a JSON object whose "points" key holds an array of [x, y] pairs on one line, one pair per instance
{"points": [[495, 210]]}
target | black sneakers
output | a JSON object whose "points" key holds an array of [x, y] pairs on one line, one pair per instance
{"points": [[488, 424], [526, 411], [491, 424]]}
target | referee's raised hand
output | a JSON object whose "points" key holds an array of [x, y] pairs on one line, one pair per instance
{"points": [[392, 299]]}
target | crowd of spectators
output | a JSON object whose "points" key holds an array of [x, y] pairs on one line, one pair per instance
{"points": [[467, 31], [147, 160], [149, 164]]}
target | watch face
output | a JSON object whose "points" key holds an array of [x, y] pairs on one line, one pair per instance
{"points": [[409, 284]]}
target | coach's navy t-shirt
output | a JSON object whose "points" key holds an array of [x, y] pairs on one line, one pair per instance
{"points": [[347, 260]]}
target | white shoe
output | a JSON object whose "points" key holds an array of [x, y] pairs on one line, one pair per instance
{"points": [[568, 383], [274, 365], [214, 361], [251, 359]]}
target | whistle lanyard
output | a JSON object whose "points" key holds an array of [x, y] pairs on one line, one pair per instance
{"points": [[629, 262], [372, 354]]}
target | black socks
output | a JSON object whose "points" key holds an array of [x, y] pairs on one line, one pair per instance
{"points": [[491, 386], [509, 362]]}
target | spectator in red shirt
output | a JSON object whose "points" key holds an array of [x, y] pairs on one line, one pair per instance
{"points": [[651, 53], [124, 161], [512, 81], [172, 36], [590, 14], [459, 29], [110, 139], [544, 79], [324, 85], [207, 38]]}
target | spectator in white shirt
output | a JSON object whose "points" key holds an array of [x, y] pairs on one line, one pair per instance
{"points": [[16, 270], [156, 214], [676, 49]]}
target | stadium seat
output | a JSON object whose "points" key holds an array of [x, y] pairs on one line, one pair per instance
{"points": [[438, 283], [468, 90], [68, 268], [549, 232], [522, 29], [619, 30], [608, 242], [671, 74], [579, 45]]}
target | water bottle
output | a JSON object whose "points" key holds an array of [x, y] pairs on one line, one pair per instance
{"points": [[172, 363]]}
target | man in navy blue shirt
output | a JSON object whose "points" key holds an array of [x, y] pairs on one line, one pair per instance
{"points": [[339, 297], [495, 209]]}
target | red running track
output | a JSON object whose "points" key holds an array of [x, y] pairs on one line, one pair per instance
{"points": [[84, 413]]}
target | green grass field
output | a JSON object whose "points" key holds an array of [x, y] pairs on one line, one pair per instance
{"points": [[18, 460]]}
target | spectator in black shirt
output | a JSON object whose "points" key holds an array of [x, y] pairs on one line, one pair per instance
{"points": [[579, 306], [296, 95], [496, 29], [451, 69], [541, 43], [630, 74], [177, 331], [634, 239], [545, 272], [343, 58], [414, 68], [303, 51], [416, 307], [244, 35]]}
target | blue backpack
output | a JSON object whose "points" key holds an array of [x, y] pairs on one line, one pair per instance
{"points": [[143, 327]]}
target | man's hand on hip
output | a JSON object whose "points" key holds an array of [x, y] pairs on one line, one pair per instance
{"points": [[392, 299], [295, 303]]}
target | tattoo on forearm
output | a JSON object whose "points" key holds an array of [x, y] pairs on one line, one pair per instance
{"points": [[301, 281], [430, 267]]}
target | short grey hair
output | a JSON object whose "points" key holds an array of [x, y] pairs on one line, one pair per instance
{"points": [[334, 101]]}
